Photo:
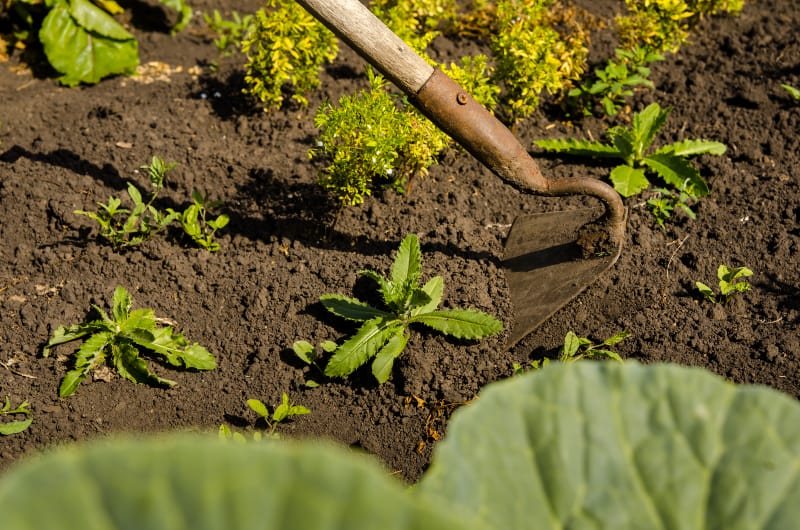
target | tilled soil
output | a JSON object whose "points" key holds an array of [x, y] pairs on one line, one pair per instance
{"points": [[65, 149]]}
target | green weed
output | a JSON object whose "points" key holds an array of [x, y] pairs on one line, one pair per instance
{"points": [[8, 428], [730, 283], [197, 226]]}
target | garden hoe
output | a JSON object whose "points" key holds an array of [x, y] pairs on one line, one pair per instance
{"points": [[550, 257]]}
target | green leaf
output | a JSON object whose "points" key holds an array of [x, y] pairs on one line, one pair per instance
{"points": [[133, 368], [572, 344], [85, 44], [434, 288], [281, 411], [629, 181], [359, 348], [15, 427], [706, 291], [304, 350], [184, 13], [64, 334], [571, 146], [407, 265], [88, 357], [616, 338], [461, 323], [384, 359], [677, 172], [694, 147], [121, 303], [140, 320], [203, 483], [350, 308], [622, 446], [258, 407], [646, 125]]}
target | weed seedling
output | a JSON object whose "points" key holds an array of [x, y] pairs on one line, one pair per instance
{"points": [[282, 412], [576, 348], [306, 352], [730, 283], [384, 332], [665, 201], [16, 426], [195, 224], [670, 162], [118, 339], [122, 227]]}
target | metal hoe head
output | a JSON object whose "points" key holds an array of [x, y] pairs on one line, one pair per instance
{"points": [[544, 266]]}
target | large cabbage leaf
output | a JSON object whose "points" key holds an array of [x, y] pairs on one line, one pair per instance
{"points": [[602, 446]]}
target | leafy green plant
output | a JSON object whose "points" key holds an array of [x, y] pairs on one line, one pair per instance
{"points": [[8, 428], [285, 46], [306, 352], [230, 32], [670, 162], [118, 340], [579, 445], [730, 283], [576, 348], [666, 201], [384, 332], [615, 82], [538, 45], [281, 413], [81, 39], [792, 91], [123, 227], [665, 25], [195, 224]]}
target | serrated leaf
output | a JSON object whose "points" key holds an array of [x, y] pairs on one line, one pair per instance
{"points": [[571, 146], [625, 142], [434, 288], [132, 367], [461, 323], [646, 125], [350, 308], [628, 181], [138, 319], [408, 262], [64, 334], [121, 303], [258, 407], [357, 350], [384, 359], [677, 172], [694, 147]]}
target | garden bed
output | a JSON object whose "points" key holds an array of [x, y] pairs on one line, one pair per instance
{"points": [[65, 149]]}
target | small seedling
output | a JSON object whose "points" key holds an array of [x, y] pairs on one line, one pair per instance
{"points": [[195, 224], [230, 32], [519, 369], [792, 91], [306, 352], [615, 82], [122, 227], [665, 201], [384, 333], [576, 348], [670, 162], [118, 339], [282, 412], [16, 426], [730, 283]]}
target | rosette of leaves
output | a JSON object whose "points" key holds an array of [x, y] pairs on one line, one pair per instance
{"points": [[118, 340], [384, 332], [81, 39], [632, 145]]}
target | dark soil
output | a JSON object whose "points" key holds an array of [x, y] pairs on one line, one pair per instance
{"points": [[65, 149]]}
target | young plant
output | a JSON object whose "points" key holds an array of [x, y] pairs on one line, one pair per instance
{"points": [[123, 227], [576, 348], [384, 332], [285, 45], [730, 283], [632, 145], [15, 426], [282, 412], [665, 201], [306, 352], [81, 39], [195, 224], [231, 32], [615, 82], [118, 340]]}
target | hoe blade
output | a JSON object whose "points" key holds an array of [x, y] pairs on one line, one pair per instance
{"points": [[544, 267]]}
